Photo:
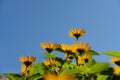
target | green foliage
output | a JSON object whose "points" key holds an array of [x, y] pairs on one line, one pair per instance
{"points": [[93, 52], [78, 62], [35, 77], [14, 76], [98, 67], [103, 77], [77, 70], [112, 53], [41, 68], [53, 56], [34, 69], [90, 63]]}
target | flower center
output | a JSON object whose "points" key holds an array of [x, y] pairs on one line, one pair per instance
{"points": [[117, 62], [49, 50], [80, 50], [27, 63]]}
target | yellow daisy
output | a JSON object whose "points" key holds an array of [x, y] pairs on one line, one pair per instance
{"points": [[49, 62], [80, 62], [25, 70], [69, 56], [80, 47], [58, 77], [68, 48], [117, 70], [115, 60], [83, 47], [76, 33], [28, 60], [87, 56], [49, 47]]}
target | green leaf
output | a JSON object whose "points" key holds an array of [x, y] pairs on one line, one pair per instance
{"points": [[53, 56], [34, 69], [72, 69], [90, 63], [112, 53], [14, 76], [50, 55], [102, 77], [82, 69], [35, 77], [98, 67], [38, 68], [92, 52], [76, 70], [108, 71], [68, 66], [42, 68]]}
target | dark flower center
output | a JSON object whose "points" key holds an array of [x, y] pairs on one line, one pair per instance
{"points": [[117, 63], [49, 50], [80, 51], [77, 35], [86, 60], [27, 63], [68, 51], [70, 57]]}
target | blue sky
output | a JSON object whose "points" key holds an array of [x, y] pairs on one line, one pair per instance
{"points": [[24, 24]]}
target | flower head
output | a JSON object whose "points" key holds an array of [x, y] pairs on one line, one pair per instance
{"points": [[28, 60], [25, 70], [69, 56], [49, 62], [80, 62], [67, 48], [83, 47], [58, 77], [76, 33], [86, 57], [117, 70], [49, 47], [115, 60]]}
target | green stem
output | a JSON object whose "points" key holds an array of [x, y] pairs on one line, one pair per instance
{"points": [[25, 77], [76, 39], [63, 64], [84, 77], [76, 58]]}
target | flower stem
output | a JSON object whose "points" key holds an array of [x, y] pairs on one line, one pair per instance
{"points": [[76, 58]]}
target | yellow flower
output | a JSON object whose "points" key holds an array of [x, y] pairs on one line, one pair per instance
{"points": [[86, 56], [76, 33], [76, 47], [83, 47], [117, 70], [83, 58], [58, 77], [58, 69], [28, 60], [25, 70], [69, 56], [49, 47], [68, 48], [115, 60], [65, 47], [80, 62], [49, 62]]}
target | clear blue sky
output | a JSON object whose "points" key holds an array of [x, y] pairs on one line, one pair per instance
{"points": [[24, 24]]}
